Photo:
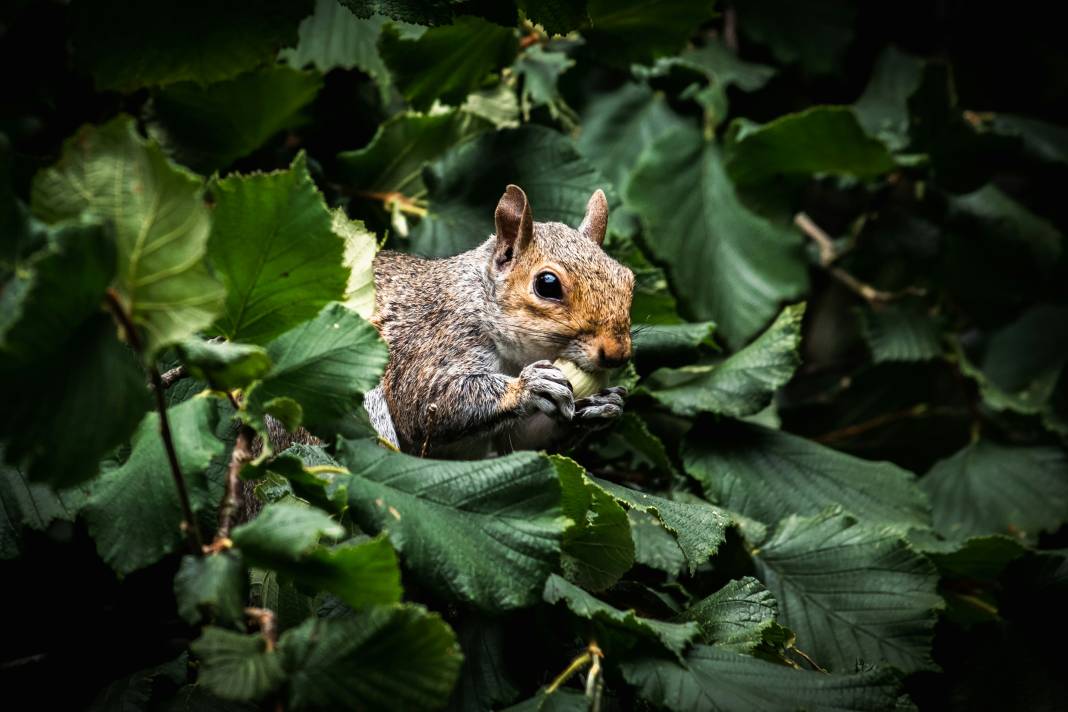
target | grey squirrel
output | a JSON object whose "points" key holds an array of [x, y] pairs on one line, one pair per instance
{"points": [[472, 337]]}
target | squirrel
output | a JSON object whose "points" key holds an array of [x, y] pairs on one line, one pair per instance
{"points": [[472, 337]]}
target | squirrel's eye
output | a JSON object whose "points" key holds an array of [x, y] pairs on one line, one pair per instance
{"points": [[547, 286]]}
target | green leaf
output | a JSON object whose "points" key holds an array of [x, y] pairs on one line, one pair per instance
{"points": [[133, 512], [698, 528], [883, 108], [742, 384], [597, 548], [446, 63], [631, 437], [823, 139], [487, 532], [222, 364], [654, 546], [211, 589], [126, 47], [274, 248], [977, 558], [814, 35], [58, 433], [209, 127], [675, 637], [716, 680], [764, 473], [333, 38], [54, 292], [736, 616], [727, 264], [558, 17], [1046, 142], [987, 488], [388, 657], [360, 248], [618, 126], [284, 532], [360, 574], [325, 365], [900, 333], [484, 680], [425, 12], [235, 666], [540, 71], [27, 505], [626, 31], [160, 220], [465, 184], [560, 700], [402, 145], [853, 593]]}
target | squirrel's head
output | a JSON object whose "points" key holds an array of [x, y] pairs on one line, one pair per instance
{"points": [[558, 293]]}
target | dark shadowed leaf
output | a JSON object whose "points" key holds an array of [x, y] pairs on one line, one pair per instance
{"points": [[883, 108], [484, 680], [425, 12], [211, 589], [900, 333], [655, 546], [853, 593], [627, 31], [814, 35], [388, 657], [27, 505], [222, 364], [236, 666], [763, 473]]}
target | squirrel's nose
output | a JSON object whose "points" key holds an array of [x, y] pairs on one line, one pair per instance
{"points": [[614, 356]]}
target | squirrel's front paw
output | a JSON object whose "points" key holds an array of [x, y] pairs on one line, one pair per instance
{"points": [[601, 407], [546, 388]]}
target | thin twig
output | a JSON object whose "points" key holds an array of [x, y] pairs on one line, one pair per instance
{"points": [[264, 618], [829, 255], [808, 659], [134, 338], [168, 378], [242, 454], [920, 410]]}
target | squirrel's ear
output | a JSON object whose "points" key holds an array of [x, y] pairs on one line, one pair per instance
{"points": [[515, 225], [596, 221]]}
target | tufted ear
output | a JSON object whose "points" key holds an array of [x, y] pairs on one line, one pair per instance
{"points": [[596, 221], [515, 225]]}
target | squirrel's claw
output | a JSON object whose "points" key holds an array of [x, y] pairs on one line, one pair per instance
{"points": [[605, 405]]}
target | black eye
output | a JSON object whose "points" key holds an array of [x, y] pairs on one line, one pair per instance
{"points": [[547, 286]]}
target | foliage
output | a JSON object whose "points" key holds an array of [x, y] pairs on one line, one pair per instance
{"points": [[841, 480]]}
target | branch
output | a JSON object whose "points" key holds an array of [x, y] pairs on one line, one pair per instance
{"points": [[168, 378], [242, 454], [829, 255], [134, 338], [264, 618]]}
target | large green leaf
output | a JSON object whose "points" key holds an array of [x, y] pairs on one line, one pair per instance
{"points": [[823, 139], [727, 263], [717, 680], [133, 513], [484, 678], [211, 588], [852, 592], [764, 474], [209, 127], [698, 528], [333, 38], [446, 63], [814, 35], [388, 657], [486, 532], [223, 365], [402, 145], [597, 548], [626, 31], [742, 384], [160, 219], [987, 488], [274, 247], [655, 546], [618, 126], [128, 46], [236, 666], [465, 184], [736, 616], [58, 432], [325, 365], [284, 537], [675, 637]]}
